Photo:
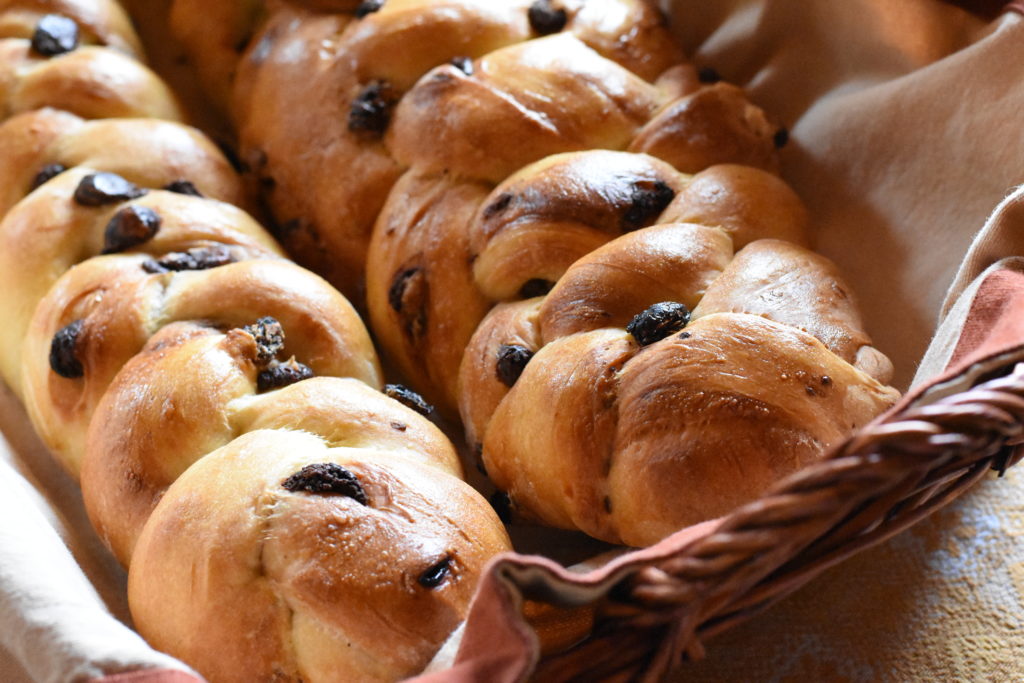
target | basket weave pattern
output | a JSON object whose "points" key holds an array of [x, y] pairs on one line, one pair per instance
{"points": [[885, 478]]}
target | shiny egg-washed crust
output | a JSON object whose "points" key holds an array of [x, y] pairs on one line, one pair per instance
{"points": [[217, 401], [100, 78], [632, 438], [349, 113]]}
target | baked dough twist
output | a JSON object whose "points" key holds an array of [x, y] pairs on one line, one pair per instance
{"points": [[205, 388], [502, 149], [664, 381], [351, 113]]}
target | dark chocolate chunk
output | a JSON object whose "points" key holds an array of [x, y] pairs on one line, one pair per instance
{"points": [[512, 360], [463, 64], [826, 380], [648, 200], [368, 7], [545, 19], [46, 173], [182, 186], [708, 75], [371, 109], [408, 398], [55, 35], [64, 351], [780, 138], [535, 287], [130, 227], [269, 339], [400, 426], [326, 478], [97, 189], [198, 258], [435, 575], [658, 322], [498, 205], [279, 375]]}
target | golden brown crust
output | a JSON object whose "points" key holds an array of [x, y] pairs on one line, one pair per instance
{"points": [[714, 125], [92, 82], [630, 437], [100, 22], [148, 324], [321, 583], [473, 91], [788, 284], [748, 203], [540, 220], [420, 271], [149, 153], [633, 444]]}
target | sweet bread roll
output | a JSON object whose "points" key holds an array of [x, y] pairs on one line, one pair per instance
{"points": [[97, 22], [471, 88], [663, 381], [150, 322], [79, 56], [444, 251], [334, 562]]}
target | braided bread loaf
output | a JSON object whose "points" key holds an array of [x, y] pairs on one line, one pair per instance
{"points": [[204, 388], [413, 110], [661, 418], [458, 130]]}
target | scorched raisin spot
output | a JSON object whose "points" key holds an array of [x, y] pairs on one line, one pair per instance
{"points": [[55, 35], [183, 187], [97, 189], [512, 360], [648, 199], [64, 351], [535, 287], [326, 478], [279, 375], [130, 227], [408, 398], [199, 258], [436, 574], [545, 19], [371, 109], [47, 173], [269, 337], [368, 7], [658, 322]]}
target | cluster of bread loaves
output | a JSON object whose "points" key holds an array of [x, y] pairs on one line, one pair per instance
{"points": [[565, 233], [560, 230], [280, 517]]}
